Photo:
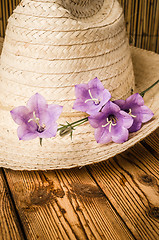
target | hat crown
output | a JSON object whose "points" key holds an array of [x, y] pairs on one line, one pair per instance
{"points": [[49, 49], [83, 8]]}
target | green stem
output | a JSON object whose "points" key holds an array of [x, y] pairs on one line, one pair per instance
{"points": [[40, 141], [74, 124], [69, 127], [146, 90], [80, 122]]}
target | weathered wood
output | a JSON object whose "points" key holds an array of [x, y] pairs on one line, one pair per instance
{"points": [[9, 224], [68, 204], [130, 181], [1, 22], [64, 205], [1, 44], [152, 144]]}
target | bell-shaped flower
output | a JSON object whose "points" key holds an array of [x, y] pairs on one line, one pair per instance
{"points": [[37, 119], [111, 124], [91, 97], [134, 106]]}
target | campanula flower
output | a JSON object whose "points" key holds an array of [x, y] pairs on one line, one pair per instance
{"points": [[134, 105], [37, 119], [91, 97], [111, 124]]}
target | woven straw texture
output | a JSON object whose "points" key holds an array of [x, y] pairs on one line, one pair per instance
{"points": [[141, 17], [48, 49]]}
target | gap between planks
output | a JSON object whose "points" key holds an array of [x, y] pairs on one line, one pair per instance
{"points": [[10, 227]]}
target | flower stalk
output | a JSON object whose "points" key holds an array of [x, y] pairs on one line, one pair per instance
{"points": [[69, 127], [146, 90], [41, 141]]}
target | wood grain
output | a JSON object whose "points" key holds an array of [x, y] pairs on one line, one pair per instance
{"points": [[64, 205], [130, 181], [9, 224]]}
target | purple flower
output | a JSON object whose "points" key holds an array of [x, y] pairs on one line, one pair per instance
{"points": [[134, 105], [91, 97], [111, 124], [37, 119]]}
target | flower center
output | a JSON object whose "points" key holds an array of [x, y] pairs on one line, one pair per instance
{"points": [[95, 100], [129, 111], [35, 119], [40, 129], [111, 121]]}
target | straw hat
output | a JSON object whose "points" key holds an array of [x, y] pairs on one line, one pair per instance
{"points": [[50, 46]]}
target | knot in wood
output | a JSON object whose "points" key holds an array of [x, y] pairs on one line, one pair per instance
{"points": [[40, 196], [87, 190], [154, 212], [147, 180]]}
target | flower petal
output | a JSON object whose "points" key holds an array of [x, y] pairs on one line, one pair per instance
{"points": [[54, 111], [110, 108], [44, 117], [143, 114], [120, 103], [49, 132], [134, 99], [127, 120], [20, 114], [135, 127], [97, 120], [102, 95], [79, 105], [81, 91], [106, 96], [37, 103], [147, 114], [91, 97], [24, 133], [95, 83], [102, 135], [120, 136]]}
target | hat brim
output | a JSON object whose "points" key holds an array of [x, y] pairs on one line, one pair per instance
{"points": [[62, 153]]}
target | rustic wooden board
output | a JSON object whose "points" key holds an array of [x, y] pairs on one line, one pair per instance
{"points": [[64, 205], [9, 223], [110, 200], [130, 181]]}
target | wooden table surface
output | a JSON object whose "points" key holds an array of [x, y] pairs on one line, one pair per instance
{"points": [[113, 200]]}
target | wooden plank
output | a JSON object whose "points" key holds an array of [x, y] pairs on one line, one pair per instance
{"points": [[64, 205], [9, 225], [4, 18], [6, 9], [1, 44], [145, 21], [151, 143], [1, 21], [149, 30], [156, 29], [130, 181]]}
